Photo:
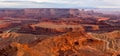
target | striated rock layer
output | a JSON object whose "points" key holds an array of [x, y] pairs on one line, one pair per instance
{"points": [[75, 43], [49, 28], [38, 13]]}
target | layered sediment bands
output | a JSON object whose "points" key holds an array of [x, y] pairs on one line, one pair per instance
{"points": [[58, 32], [72, 43], [49, 28], [69, 44], [77, 43], [112, 39], [7, 26], [38, 13]]}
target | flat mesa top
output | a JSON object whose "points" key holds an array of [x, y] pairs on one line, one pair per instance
{"points": [[55, 26]]}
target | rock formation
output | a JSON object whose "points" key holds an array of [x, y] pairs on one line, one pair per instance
{"points": [[58, 32], [76, 43], [49, 28], [38, 13]]}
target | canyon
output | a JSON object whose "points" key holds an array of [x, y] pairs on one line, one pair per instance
{"points": [[58, 32]]}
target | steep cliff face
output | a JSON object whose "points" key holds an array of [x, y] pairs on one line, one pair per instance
{"points": [[77, 43], [8, 25], [38, 13], [49, 28], [51, 13], [11, 12], [4, 25]]}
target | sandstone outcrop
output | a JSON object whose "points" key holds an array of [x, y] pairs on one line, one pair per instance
{"points": [[77, 43], [49, 28], [58, 32], [38, 13], [112, 39]]}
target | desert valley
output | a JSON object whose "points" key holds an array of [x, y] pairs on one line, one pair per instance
{"points": [[58, 32]]}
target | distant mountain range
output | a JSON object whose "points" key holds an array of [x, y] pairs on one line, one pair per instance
{"points": [[106, 10], [31, 4]]}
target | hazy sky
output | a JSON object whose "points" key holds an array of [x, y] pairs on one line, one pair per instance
{"points": [[59, 3]]}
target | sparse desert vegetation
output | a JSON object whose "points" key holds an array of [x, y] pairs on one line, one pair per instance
{"points": [[58, 32]]}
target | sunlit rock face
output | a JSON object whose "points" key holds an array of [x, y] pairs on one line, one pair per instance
{"points": [[50, 28], [70, 43], [58, 32]]}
